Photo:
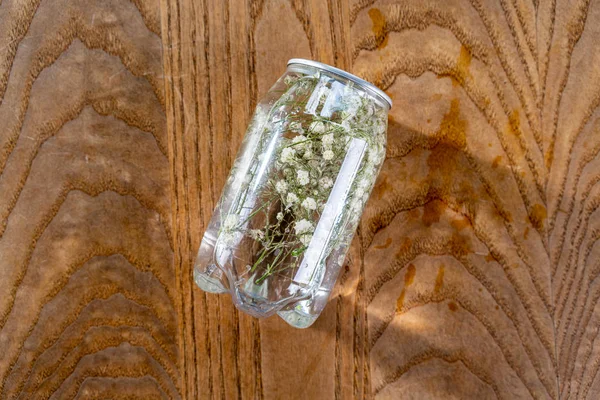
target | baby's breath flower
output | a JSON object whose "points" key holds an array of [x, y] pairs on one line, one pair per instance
{"points": [[359, 192], [296, 127], [356, 205], [228, 238], [328, 155], [256, 234], [309, 203], [326, 182], [369, 172], [327, 139], [281, 186], [230, 222], [373, 156], [299, 139], [303, 177], [353, 103], [291, 199], [288, 80], [314, 164], [280, 216], [287, 155], [303, 226], [308, 154], [364, 183], [317, 127]]}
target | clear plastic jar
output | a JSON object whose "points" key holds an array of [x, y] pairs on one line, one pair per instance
{"points": [[280, 232]]}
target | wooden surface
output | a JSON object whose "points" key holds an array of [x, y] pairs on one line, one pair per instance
{"points": [[474, 273]]}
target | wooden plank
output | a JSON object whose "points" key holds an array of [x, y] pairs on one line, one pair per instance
{"points": [[89, 297], [219, 60]]}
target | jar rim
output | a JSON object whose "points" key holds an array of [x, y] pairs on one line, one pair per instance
{"points": [[368, 86]]}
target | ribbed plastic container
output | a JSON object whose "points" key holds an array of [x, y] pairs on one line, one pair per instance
{"points": [[295, 194]]}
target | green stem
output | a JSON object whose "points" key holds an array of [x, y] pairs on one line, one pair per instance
{"points": [[270, 269]]}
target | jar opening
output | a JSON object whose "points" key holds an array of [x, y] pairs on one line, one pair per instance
{"points": [[365, 85]]}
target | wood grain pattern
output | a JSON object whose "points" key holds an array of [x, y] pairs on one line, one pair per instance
{"points": [[474, 273], [90, 303], [488, 239]]}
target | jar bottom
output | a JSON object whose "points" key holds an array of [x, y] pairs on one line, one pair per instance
{"points": [[297, 319], [294, 317], [209, 283]]}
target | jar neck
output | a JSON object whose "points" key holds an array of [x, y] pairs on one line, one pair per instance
{"points": [[367, 88]]}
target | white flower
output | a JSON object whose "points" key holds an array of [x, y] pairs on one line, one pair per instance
{"points": [[317, 127], [303, 177], [288, 80], [326, 182], [327, 139], [291, 199], [287, 155], [305, 239], [296, 127], [303, 226], [374, 156], [308, 154], [279, 216], [256, 234], [227, 238], [353, 103], [328, 155], [281, 186], [230, 222], [299, 139], [364, 183], [314, 164], [356, 205], [309, 203], [359, 192], [369, 172]]}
